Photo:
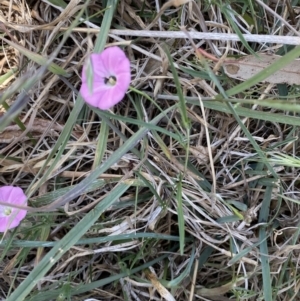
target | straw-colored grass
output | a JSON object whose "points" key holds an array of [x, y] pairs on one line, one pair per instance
{"points": [[186, 190]]}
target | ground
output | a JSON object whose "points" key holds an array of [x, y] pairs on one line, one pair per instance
{"points": [[187, 189]]}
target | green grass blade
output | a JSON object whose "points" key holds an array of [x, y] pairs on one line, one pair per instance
{"points": [[14, 111], [87, 241], [58, 149], [221, 106], [105, 26], [99, 46], [101, 144], [241, 124], [8, 74], [141, 123], [175, 282], [236, 258], [117, 155], [264, 258], [151, 188], [253, 142], [228, 12], [180, 215], [68, 241], [66, 132], [283, 105], [285, 270], [88, 287], [182, 105]]}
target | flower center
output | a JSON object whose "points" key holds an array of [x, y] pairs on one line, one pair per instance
{"points": [[110, 81], [5, 211]]}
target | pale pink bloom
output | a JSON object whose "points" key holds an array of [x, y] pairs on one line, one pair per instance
{"points": [[11, 217], [105, 78]]}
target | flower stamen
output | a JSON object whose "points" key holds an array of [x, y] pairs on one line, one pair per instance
{"points": [[7, 211], [110, 81]]}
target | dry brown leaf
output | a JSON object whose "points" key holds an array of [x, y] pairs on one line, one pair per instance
{"points": [[247, 66]]}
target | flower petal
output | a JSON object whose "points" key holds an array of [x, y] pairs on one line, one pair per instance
{"points": [[111, 62], [110, 98], [122, 66], [112, 57], [16, 196], [123, 81], [98, 67]]}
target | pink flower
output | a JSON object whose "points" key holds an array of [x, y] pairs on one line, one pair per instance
{"points": [[105, 78], [11, 217]]}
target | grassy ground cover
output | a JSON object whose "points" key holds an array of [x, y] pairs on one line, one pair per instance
{"points": [[188, 189]]}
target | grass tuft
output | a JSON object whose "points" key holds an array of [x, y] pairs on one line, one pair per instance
{"points": [[188, 189]]}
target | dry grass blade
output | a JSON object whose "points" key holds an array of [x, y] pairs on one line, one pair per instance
{"points": [[164, 293], [36, 58], [193, 171]]}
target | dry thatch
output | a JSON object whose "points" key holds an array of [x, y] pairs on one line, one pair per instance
{"points": [[219, 195]]}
